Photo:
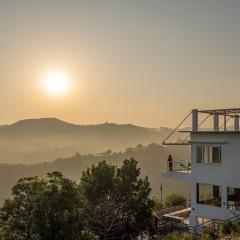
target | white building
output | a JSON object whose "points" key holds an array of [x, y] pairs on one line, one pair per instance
{"points": [[214, 170]]}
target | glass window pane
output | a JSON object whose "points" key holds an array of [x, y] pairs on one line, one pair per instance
{"points": [[209, 155], [200, 152], [216, 154], [206, 155], [233, 198], [209, 194]]}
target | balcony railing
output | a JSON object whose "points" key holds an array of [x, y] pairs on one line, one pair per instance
{"points": [[178, 166]]}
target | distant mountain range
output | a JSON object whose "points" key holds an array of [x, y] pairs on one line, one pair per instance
{"points": [[46, 139]]}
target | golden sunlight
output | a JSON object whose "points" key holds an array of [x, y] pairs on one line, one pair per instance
{"points": [[56, 83]]}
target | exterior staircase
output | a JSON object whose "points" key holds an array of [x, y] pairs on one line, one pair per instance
{"points": [[178, 228], [214, 224]]}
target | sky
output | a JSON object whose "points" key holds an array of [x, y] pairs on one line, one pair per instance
{"points": [[146, 62]]}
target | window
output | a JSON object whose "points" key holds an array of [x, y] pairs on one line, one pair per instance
{"points": [[216, 154], [233, 198], [210, 155], [209, 194]]}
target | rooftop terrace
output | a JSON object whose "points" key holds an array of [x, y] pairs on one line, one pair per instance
{"points": [[219, 120]]}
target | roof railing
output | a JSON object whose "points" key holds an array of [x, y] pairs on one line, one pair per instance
{"points": [[216, 115]]}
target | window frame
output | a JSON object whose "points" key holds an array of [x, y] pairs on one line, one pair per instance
{"points": [[206, 154], [209, 204], [236, 207]]}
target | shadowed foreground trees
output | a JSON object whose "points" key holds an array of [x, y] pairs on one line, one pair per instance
{"points": [[123, 207], [108, 203], [43, 209], [57, 213], [17, 214]]}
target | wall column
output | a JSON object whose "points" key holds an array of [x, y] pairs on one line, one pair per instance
{"points": [[224, 197], [215, 122], [193, 221], [225, 121], [194, 120], [236, 123]]}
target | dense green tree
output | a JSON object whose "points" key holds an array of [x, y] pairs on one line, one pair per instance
{"points": [[98, 181], [103, 210], [136, 192], [44, 209], [58, 210], [17, 213], [126, 193], [109, 203], [175, 200]]}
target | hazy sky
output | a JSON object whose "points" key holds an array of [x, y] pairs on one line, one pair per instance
{"points": [[145, 62]]}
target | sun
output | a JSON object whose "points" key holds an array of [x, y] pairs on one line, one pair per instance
{"points": [[56, 83]]}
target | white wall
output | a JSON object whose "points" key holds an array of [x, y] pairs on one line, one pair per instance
{"points": [[225, 174]]}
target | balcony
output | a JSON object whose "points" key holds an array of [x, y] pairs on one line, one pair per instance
{"points": [[178, 170]]}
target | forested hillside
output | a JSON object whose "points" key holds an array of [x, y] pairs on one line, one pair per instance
{"points": [[151, 159]]}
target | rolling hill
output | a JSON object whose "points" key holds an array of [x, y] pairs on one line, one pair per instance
{"points": [[42, 140], [31, 147]]}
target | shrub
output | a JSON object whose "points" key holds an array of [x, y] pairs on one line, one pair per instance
{"points": [[157, 204], [175, 200], [209, 234], [183, 237], [172, 237], [228, 228]]}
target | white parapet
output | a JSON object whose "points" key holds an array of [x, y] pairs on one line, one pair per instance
{"points": [[185, 176]]}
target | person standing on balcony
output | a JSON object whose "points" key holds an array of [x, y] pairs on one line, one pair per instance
{"points": [[170, 163]]}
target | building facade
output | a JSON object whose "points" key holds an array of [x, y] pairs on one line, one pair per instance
{"points": [[214, 169]]}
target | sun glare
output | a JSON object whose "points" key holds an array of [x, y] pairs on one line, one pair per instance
{"points": [[56, 83]]}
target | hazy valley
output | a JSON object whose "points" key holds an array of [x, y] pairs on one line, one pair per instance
{"points": [[31, 147], [43, 140]]}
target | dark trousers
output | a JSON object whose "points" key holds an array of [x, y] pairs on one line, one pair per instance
{"points": [[170, 164]]}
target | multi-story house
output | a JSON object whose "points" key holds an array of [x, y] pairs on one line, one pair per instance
{"points": [[214, 169]]}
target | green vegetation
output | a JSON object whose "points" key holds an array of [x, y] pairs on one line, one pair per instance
{"points": [[184, 237], [175, 200], [157, 204], [209, 234], [109, 202], [151, 160], [229, 228], [171, 200]]}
